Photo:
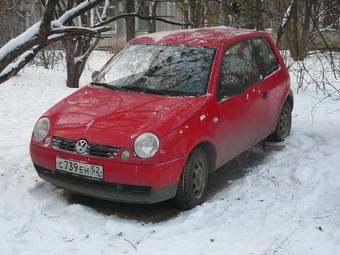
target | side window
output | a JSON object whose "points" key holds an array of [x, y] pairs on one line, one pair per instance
{"points": [[265, 57], [238, 70]]}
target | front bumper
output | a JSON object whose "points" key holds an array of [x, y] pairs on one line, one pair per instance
{"points": [[122, 182], [108, 191]]}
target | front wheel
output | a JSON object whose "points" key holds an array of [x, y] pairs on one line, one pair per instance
{"points": [[194, 181], [284, 124]]}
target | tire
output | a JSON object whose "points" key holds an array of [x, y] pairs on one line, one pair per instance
{"points": [[193, 184], [284, 124]]}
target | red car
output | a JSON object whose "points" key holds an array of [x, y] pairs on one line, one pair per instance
{"points": [[163, 113]]}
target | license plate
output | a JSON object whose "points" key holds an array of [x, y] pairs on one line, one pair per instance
{"points": [[79, 168]]}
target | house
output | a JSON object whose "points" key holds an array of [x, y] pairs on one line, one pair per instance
{"points": [[116, 38], [31, 12]]}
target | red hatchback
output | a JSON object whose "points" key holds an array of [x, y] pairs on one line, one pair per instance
{"points": [[163, 113]]}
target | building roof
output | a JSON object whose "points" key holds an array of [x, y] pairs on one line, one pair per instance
{"points": [[207, 37]]}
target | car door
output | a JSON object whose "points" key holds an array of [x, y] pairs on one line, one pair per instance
{"points": [[236, 100], [268, 87]]}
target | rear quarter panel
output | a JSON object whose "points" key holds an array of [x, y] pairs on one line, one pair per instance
{"points": [[279, 82]]}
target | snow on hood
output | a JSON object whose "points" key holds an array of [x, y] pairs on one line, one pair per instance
{"points": [[108, 116]]}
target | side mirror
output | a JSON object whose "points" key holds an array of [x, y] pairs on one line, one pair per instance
{"points": [[94, 75]]}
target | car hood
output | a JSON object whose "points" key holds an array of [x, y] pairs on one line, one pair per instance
{"points": [[114, 117]]}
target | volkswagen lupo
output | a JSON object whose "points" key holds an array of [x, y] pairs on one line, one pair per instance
{"points": [[163, 113]]}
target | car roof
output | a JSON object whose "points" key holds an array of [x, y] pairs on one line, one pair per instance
{"points": [[205, 37]]}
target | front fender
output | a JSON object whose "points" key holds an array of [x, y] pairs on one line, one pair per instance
{"points": [[180, 142]]}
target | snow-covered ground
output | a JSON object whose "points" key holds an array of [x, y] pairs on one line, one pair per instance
{"points": [[265, 203]]}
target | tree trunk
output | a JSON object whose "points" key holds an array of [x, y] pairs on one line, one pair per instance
{"points": [[70, 45], [186, 13], [74, 48], [130, 21], [295, 34], [226, 13], [299, 29], [192, 13], [152, 23], [258, 15]]}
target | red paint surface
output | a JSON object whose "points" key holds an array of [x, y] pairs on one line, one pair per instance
{"points": [[116, 118]]}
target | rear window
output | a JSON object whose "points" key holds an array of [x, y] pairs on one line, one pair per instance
{"points": [[265, 57]]}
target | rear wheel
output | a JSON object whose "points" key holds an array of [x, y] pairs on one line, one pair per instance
{"points": [[194, 180], [284, 124]]}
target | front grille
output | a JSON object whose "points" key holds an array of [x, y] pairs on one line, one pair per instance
{"points": [[123, 188], [63, 144], [113, 187], [92, 149]]}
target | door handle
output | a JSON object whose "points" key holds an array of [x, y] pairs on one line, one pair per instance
{"points": [[265, 94]]}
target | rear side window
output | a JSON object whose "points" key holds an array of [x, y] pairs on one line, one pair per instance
{"points": [[265, 57]]}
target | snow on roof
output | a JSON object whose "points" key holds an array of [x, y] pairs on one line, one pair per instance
{"points": [[212, 36]]}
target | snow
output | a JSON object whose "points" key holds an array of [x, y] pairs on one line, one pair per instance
{"points": [[12, 66], [159, 36], [197, 33], [68, 14], [29, 34], [8, 69], [265, 203], [33, 31]]}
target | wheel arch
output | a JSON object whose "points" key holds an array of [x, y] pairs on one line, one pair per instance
{"points": [[290, 100], [287, 99], [210, 150]]}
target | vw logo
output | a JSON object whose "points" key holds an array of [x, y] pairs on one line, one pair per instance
{"points": [[81, 146]]}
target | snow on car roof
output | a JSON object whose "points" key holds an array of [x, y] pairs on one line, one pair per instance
{"points": [[209, 37]]}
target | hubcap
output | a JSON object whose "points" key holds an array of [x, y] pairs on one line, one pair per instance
{"points": [[284, 123], [198, 181]]}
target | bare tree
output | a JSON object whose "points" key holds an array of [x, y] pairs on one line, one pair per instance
{"points": [[79, 46], [308, 30], [11, 20], [303, 27], [130, 20], [65, 21], [15, 54], [49, 58]]}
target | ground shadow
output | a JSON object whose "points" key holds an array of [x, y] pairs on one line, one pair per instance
{"points": [[218, 181]]}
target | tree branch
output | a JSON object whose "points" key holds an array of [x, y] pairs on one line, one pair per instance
{"points": [[12, 69], [85, 56], [80, 30], [27, 40], [108, 21], [46, 20], [287, 18]]}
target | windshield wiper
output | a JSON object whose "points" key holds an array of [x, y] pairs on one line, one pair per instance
{"points": [[165, 92], [179, 93], [143, 89], [105, 85], [146, 90]]}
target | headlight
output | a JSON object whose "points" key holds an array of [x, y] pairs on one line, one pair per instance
{"points": [[146, 145], [41, 129]]}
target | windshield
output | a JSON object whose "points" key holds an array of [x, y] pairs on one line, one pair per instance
{"points": [[170, 69]]}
